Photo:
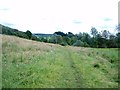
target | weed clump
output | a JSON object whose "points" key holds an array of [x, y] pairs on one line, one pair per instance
{"points": [[96, 65], [97, 53], [111, 61], [89, 54]]}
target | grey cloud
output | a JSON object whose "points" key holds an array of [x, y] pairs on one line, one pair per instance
{"points": [[77, 22], [106, 26], [7, 24], [4, 9], [107, 19]]}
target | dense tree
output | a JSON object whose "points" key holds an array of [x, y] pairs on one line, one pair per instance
{"points": [[70, 34], [78, 43], [59, 39], [94, 31], [67, 40], [35, 38], [105, 34], [99, 40], [60, 33], [118, 28], [53, 39], [112, 41], [29, 34], [118, 39], [10, 31], [86, 38]]}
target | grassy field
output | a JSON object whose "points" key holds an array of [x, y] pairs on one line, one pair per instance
{"points": [[31, 64]]}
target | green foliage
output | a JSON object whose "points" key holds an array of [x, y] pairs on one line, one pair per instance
{"points": [[78, 43], [112, 42], [60, 33], [53, 40], [99, 40], [118, 39], [29, 34], [70, 34], [10, 31], [105, 34], [94, 31], [35, 38], [63, 44]]}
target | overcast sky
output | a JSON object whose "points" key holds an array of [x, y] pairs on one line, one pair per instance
{"points": [[48, 16]]}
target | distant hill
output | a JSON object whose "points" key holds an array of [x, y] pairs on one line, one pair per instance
{"points": [[10, 31], [15, 32], [41, 34]]}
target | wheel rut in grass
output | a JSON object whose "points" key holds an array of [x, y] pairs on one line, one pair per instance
{"points": [[74, 68]]}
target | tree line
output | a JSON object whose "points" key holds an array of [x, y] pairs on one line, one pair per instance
{"points": [[10, 31], [97, 40], [103, 39]]}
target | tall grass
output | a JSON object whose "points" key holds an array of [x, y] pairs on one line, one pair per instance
{"points": [[105, 74], [30, 64]]}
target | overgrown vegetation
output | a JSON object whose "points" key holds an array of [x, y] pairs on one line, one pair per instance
{"points": [[31, 64]]}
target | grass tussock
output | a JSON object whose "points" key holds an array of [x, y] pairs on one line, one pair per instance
{"points": [[34, 64]]}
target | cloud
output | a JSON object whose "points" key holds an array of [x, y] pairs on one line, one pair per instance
{"points": [[4, 9], [77, 22], [7, 24], [106, 26], [107, 19], [48, 16], [110, 28]]}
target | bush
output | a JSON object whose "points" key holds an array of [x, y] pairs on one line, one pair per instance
{"points": [[29, 34], [78, 43], [35, 38], [85, 44], [96, 65], [64, 44]]}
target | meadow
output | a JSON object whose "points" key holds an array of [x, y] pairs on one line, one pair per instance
{"points": [[32, 64]]}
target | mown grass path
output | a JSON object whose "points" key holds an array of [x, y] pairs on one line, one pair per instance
{"points": [[53, 68], [73, 68]]}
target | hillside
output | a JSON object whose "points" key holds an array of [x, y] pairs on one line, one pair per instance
{"points": [[33, 64]]}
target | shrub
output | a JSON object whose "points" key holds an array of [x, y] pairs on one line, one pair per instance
{"points": [[78, 43]]}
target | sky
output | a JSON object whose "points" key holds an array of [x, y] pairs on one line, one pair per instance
{"points": [[49, 16]]}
